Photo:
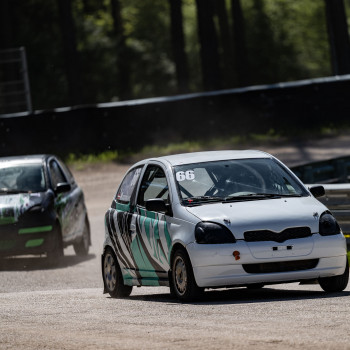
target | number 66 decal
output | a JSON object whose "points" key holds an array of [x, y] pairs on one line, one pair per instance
{"points": [[182, 175]]}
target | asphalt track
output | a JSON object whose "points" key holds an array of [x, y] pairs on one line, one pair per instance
{"points": [[64, 308]]}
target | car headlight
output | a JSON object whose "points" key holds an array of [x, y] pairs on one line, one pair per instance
{"points": [[212, 233], [328, 225], [36, 209]]}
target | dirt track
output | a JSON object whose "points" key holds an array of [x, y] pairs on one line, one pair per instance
{"points": [[64, 308]]}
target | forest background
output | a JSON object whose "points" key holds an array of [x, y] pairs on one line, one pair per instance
{"points": [[88, 51]]}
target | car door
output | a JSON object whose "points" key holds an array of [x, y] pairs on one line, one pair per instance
{"points": [[120, 221], [65, 203], [79, 213], [151, 230]]}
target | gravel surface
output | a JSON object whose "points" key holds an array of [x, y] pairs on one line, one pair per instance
{"points": [[64, 308]]}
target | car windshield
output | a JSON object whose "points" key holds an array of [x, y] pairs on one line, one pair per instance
{"points": [[17, 178], [235, 180]]}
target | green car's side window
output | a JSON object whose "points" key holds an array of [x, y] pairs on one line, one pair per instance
{"points": [[128, 186], [154, 185]]}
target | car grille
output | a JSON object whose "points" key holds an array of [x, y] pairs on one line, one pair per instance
{"points": [[282, 266], [266, 235]]}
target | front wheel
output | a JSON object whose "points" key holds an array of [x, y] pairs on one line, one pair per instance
{"points": [[183, 284], [55, 253], [336, 283], [112, 276], [81, 247]]}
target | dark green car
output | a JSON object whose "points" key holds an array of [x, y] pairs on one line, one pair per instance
{"points": [[42, 209]]}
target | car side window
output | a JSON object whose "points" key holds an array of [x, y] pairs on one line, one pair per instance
{"points": [[68, 173], [127, 187], [56, 174], [154, 185]]}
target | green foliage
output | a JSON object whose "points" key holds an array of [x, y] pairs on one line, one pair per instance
{"points": [[286, 40], [148, 36]]}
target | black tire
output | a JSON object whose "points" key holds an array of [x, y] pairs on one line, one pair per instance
{"points": [[255, 286], [55, 253], [112, 276], [81, 247], [183, 285], [336, 283]]}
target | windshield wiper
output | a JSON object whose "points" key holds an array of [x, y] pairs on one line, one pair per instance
{"points": [[253, 196], [10, 191], [200, 199], [280, 194]]}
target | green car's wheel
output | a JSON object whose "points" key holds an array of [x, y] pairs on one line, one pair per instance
{"points": [[55, 253], [112, 276], [81, 247], [183, 284]]}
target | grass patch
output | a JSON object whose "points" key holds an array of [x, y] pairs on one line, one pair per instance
{"points": [[243, 141], [79, 162], [213, 144]]}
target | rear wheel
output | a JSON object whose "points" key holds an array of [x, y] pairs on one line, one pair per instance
{"points": [[81, 247], [183, 284], [112, 276], [336, 283]]}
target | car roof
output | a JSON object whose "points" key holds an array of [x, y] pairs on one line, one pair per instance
{"points": [[210, 156], [35, 158]]}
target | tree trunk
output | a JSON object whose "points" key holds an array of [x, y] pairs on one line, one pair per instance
{"points": [[178, 44], [209, 45], [123, 59], [70, 51], [6, 33], [229, 78], [239, 43], [338, 36]]}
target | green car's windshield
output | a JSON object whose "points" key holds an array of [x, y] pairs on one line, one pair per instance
{"points": [[17, 178], [239, 179]]}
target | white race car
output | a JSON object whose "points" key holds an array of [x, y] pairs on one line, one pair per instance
{"points": [[219, 219]]}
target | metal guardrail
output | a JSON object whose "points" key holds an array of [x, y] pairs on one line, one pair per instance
{"points": [[334, 175], [336, 170]]}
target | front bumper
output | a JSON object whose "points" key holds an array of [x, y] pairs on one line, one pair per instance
{"points": [[308, 258], [19, 240]]}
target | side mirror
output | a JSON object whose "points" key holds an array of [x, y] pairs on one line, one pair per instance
{"points": [[157, 205], [62, 187], [317, 191]]}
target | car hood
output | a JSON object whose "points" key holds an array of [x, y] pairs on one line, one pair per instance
{"points": [[12, 206], [267, 214]]}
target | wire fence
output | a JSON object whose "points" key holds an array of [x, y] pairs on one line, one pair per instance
{"points": [[14, 82]]}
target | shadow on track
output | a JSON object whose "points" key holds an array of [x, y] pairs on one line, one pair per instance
{"points": [[41, 263], [244, 296]]}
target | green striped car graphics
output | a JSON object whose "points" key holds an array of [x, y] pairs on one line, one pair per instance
{"points": [[142, 242]]}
